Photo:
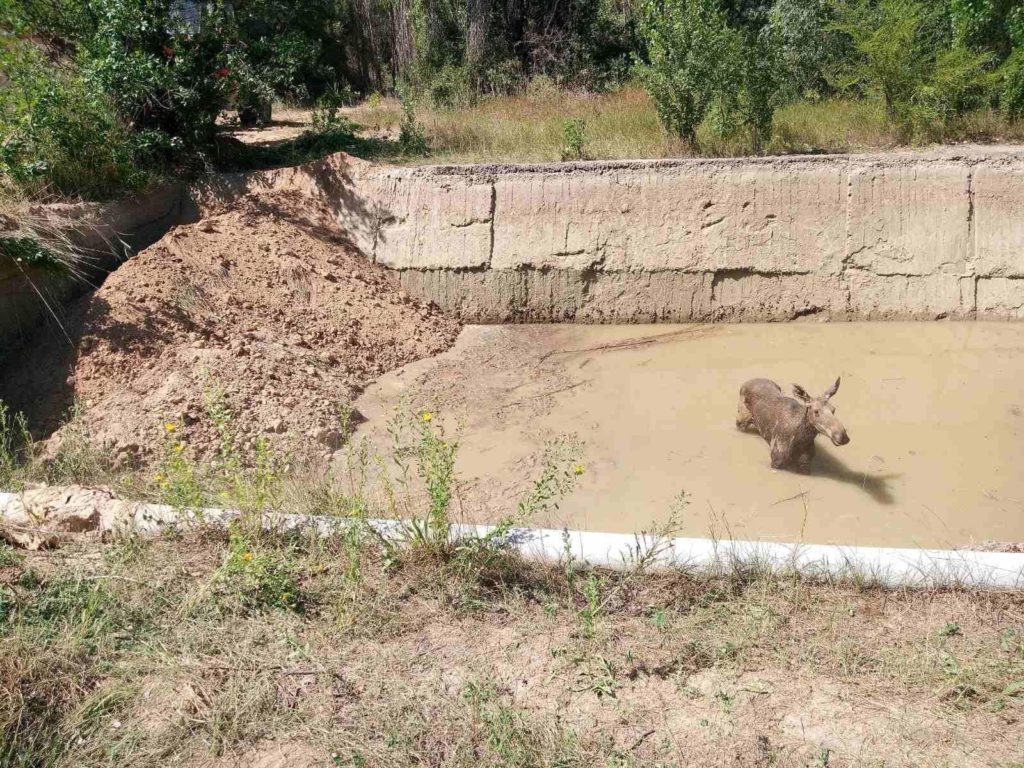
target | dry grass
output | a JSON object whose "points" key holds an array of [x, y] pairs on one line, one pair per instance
{"points": [[624, 124], [150, 653]]}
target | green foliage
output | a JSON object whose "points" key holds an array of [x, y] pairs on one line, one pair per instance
{"points": [[411, 138], [29, 252], [61, 132], [450, 87], [691, 53], [575, 132], [1011, 90], [169, 81], [808, 45], [901, 57], [82, 611], [177, 477], [260, 576], [700, 66], [15, 445]]}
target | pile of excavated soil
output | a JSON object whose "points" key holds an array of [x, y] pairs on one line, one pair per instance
{"points": [[266, 303]]}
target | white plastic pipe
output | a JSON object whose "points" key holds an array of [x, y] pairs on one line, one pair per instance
{"points": [[888, 566]]}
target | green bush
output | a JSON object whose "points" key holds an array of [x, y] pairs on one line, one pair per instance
{"points": [[808, 45], [899, 56], [575, 132], [699, 67], [691, 54], [62, 134], [1011, 93], [169, 82]]}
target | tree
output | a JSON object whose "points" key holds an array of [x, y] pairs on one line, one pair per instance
{"points": [[699, 65], [899, 54], [691, 55]]}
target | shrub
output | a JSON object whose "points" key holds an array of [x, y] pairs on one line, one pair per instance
{"points": [[62, 135], [15, 445], [900, 57], [450, 88], [260, 576], [169, 80], [808, 45], [699, 65], [690, 51], [1011, 93], [411, 138], [575, 132]]}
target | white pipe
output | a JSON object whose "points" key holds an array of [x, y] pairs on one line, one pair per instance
{"points": [[887, 566]]}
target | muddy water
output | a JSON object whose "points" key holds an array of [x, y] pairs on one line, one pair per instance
{"points": [[935, 412]]}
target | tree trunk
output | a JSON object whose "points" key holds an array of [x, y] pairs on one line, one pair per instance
{"points": [[404, 50], [478, 14]]}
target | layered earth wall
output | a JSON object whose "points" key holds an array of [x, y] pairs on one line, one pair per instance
{"points": [[914, 235], [102, 233]]}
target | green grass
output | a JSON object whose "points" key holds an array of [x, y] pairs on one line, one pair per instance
{"points": [[624, 124], [147, 655]]}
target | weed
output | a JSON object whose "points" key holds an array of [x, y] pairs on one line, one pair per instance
{"points": [[592, 595], [575, 132], [15, 447], [177, 477], [950, 629], [412, 140], [260, 576]]}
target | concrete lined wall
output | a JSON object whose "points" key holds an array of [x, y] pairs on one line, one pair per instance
{"points": [[894, 236]]}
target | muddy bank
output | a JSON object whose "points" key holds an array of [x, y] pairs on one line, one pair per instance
{"points": [[935, 412]]}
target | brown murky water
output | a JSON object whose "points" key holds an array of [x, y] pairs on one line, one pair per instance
{"points": [[935, 412]]}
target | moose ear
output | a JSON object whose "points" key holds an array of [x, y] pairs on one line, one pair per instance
{"points": [[801, 393], [831, 390]]}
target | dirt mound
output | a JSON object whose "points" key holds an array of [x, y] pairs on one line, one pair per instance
{"points": [[267, 304]]}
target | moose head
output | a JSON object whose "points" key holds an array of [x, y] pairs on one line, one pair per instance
{"points": [[822, 414]]}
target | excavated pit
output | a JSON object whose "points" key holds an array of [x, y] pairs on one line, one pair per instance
{"points": [[934, 408]]}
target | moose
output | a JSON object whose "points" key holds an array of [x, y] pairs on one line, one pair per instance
{"points": [[789, 425]]}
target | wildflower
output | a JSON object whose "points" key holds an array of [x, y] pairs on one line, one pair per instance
{"points": [[579, 469], [285, 596], [179, 447], [170, 426], [427, 416], [158, 477], [247, 556]]}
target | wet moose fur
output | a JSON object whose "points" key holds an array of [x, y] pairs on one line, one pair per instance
{"points": [[789, 425]]}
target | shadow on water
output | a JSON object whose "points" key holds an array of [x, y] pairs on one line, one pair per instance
{"points": [[826, 464]]}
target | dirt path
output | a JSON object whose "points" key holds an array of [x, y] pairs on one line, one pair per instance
{"points": [[935, 412]]}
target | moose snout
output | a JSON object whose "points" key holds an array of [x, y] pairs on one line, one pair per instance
{"points": [[840, 438]]}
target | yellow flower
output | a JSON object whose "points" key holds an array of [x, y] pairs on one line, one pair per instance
{"points": [[170, 426], [158, 477], [247, 556], [285, 596], [179, 447], [579, 469], [427, 416]]}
